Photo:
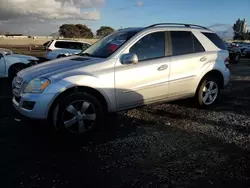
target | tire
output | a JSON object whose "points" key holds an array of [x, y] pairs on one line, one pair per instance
{"points": [[78, 114], [14, 69], [208, 92]]}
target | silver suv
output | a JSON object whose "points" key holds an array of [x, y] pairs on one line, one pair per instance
{"points": [[128, 68]]}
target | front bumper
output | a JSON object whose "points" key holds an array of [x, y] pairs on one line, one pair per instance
{"points": [[41, 107]]}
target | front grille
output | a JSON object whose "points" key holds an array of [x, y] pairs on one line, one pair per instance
{"points": [[17, 85]]}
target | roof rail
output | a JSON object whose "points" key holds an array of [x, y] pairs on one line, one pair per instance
{"points": [[178, 24]]}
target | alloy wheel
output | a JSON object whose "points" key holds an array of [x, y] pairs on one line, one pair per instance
{"points": [[210, 92], [79, 116]]}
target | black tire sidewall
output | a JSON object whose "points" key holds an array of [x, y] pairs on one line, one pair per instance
{"points": [[79, 96], [12, 73], [199, 92]]}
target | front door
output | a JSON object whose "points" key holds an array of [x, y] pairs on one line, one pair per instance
{"points": [[2, 65], [147, 80]]}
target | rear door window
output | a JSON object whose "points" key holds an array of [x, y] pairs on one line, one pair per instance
{"points": [[213, 37], [184, 42], [68, 45]]}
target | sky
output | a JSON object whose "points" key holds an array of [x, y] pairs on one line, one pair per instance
{"points": [[43, 17]]}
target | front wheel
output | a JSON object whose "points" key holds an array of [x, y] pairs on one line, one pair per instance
{"points": [[208, 92], [78, 113], [14, 69]]}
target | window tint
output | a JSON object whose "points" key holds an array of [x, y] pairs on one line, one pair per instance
{"points": [[215, 39], [150, 46], [197, 45], [182, 42], [69, 45]]}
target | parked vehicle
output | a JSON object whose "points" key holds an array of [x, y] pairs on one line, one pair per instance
{"points": [[126, 69], [246, 53], [61, 48], [234, 53], [11, 63], [240, 45], [243, 47]]}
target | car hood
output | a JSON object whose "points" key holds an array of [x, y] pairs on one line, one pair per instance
{"points": [[59, 67], [23, 56]]}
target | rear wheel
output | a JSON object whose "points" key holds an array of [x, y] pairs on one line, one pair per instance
{"points": [[79, 113], [208, 91]]}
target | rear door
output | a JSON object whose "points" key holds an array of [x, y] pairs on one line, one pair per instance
{"points": [[187, 56]]}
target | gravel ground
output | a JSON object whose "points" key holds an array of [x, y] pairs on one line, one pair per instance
{"points": [[167, 145]]}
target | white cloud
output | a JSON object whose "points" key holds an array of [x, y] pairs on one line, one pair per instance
{"points": [[139, 3], [49, 9], [42, 17]]}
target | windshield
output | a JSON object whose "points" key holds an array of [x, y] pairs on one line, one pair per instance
{"points": [[109, 44]]}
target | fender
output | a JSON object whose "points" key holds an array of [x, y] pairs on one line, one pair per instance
{"points": [[106, 89], [208, 68]]}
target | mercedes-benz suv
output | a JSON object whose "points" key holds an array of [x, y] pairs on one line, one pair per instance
{"points": [[126, 69]]}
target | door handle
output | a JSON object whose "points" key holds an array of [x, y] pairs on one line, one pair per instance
{"points": [[162, 67], [203, 58]]}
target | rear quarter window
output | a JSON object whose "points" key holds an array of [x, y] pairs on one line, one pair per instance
{"points": [[216, 40], [49, 44]]}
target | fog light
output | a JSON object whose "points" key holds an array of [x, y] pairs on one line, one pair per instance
{"points": [[29, 105]]}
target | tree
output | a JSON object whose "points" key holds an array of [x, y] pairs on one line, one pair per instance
{"points": [[239, 28], [104, 31], [85, 32], [75, 31]]}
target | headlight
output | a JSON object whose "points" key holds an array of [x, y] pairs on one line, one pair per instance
{"points": [[37, 85]]}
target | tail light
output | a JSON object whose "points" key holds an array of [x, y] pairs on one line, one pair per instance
{"points": [[48, 50], [227, 61]]}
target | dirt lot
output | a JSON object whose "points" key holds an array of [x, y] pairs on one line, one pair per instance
{"points": [[167, 145], [37, 51]]}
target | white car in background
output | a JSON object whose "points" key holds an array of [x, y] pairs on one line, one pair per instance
{"points": [[11, 63], [61, 48]]}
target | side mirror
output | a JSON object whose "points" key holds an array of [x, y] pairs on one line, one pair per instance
{"points": [[129, 58]]}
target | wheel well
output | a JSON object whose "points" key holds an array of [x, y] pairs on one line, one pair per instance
{"points": [[21, 64], [217, 74], [89, 90]]}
